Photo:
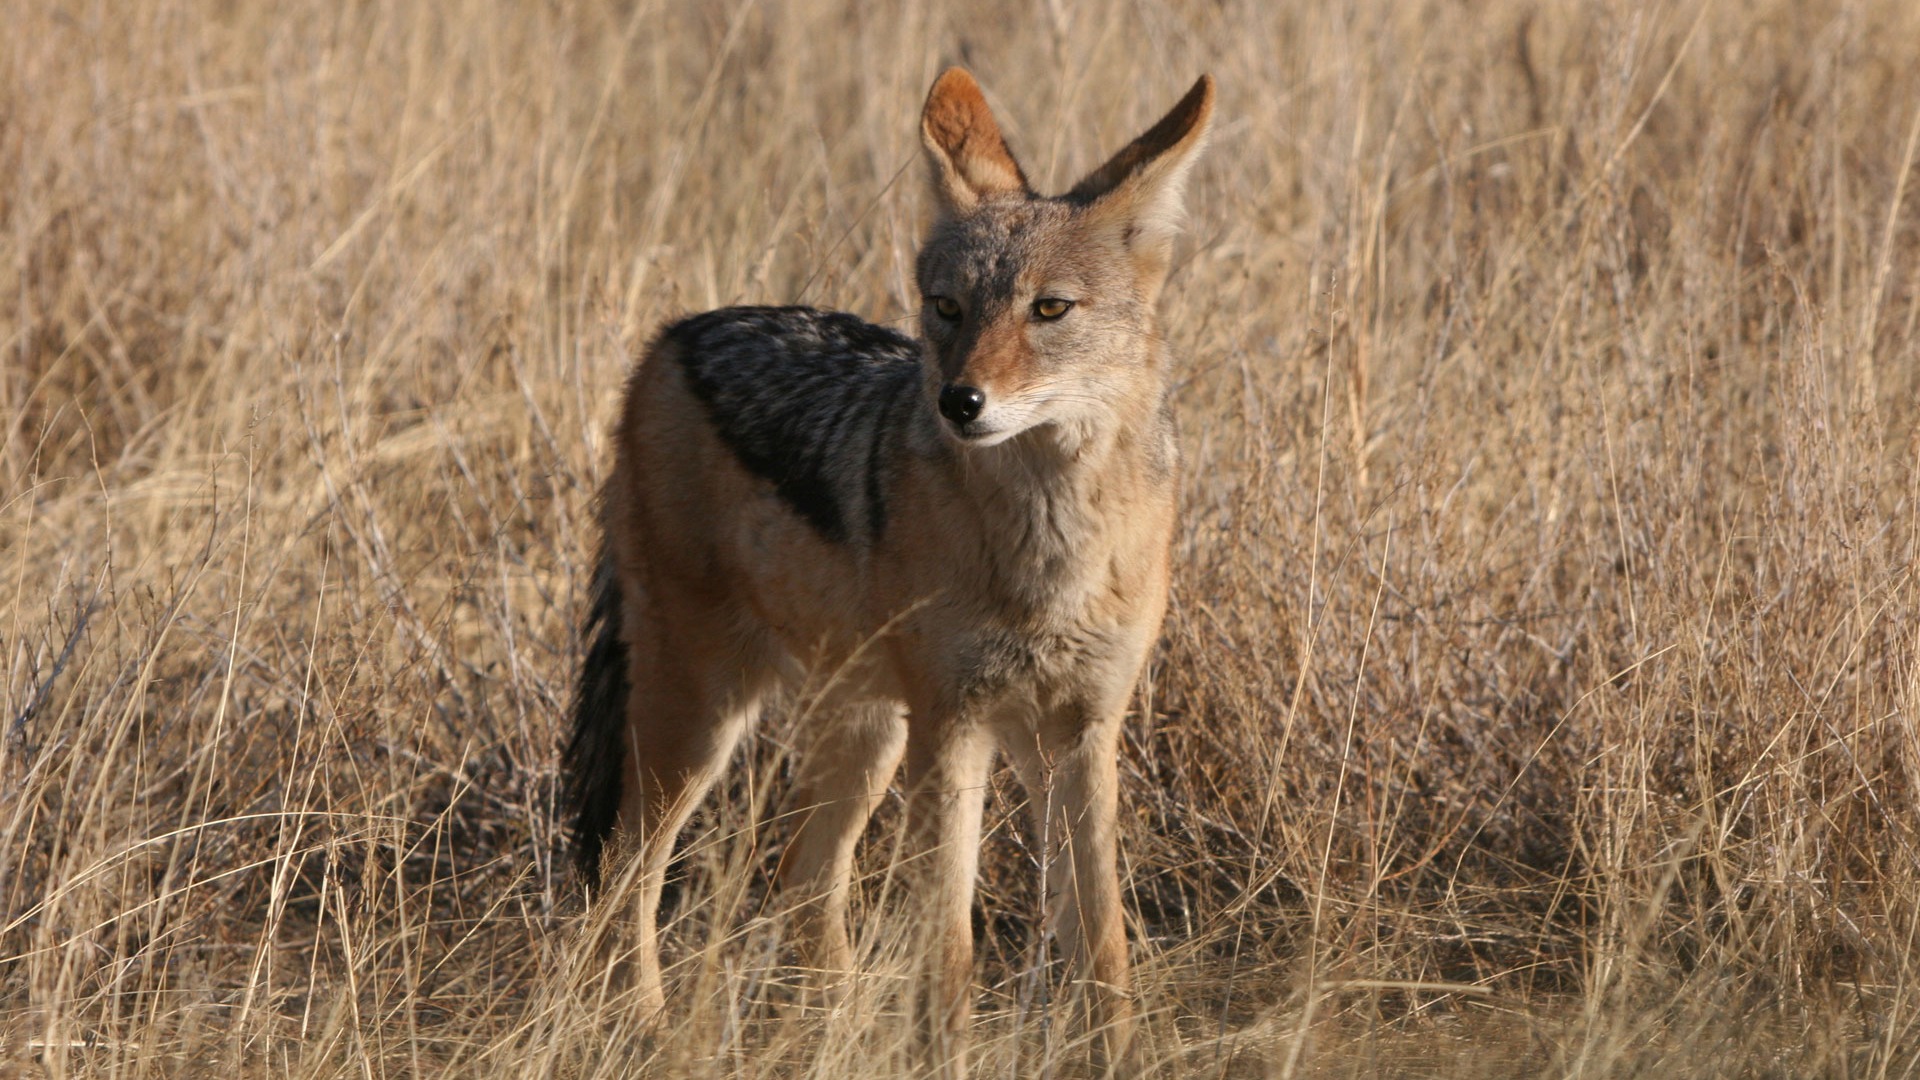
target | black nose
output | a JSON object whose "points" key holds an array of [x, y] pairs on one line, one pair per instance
{"points": [[961, 404]]}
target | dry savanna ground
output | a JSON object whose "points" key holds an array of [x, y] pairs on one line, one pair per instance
{"points": [[1539, 691]]}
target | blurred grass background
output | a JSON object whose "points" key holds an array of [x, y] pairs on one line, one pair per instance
{"points": [[1539, 692]]}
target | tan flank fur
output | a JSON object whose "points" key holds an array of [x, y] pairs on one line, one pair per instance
{"points": [[951, 545]]}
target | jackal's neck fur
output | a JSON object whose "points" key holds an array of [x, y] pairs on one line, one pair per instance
{"points": [[1043, 496]]}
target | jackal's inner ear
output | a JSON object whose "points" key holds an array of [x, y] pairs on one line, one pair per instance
{"points": [[969, 156], [1142, 189]]}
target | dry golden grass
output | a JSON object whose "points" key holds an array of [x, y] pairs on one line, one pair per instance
{"points": [[1539, 696]]}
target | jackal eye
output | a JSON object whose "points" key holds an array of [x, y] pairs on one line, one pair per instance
{"points": [[1051, 307], [946, 307]]}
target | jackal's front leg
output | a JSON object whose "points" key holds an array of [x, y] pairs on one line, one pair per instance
{"points": [[1072, 785], [946, 784]]}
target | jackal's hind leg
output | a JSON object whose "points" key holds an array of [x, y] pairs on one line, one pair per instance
{"points": [[682, 726], [846, 763]]}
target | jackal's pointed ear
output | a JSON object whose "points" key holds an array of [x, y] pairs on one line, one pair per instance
{"points": [[970, 159], [1143, 187]]}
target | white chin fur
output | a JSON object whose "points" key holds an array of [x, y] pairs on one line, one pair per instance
{"points": [[999, 425], [985, 438]]}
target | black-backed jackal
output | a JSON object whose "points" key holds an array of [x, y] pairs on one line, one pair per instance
{"points": [[967, 532]]}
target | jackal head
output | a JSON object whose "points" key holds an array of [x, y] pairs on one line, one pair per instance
{"points": [[1040, 309]]}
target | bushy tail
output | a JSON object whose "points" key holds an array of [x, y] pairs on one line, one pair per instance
{"points": [[596, 753]]}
